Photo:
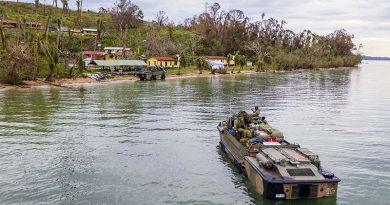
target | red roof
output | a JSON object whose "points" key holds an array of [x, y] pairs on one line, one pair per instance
{"points": [[8, 21], [162, 58], [93, 53], [216, 57]]}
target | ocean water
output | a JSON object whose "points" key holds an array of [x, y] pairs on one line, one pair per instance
{"points": [[157, 143]]}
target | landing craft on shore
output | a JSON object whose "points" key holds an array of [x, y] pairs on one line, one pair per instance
{"points": [[277, 168]]}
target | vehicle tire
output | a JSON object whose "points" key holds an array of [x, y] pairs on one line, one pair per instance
{"points": [[243, 171], [151, 77], [163, 76]]}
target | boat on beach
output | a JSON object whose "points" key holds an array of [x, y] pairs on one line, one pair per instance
{"points": [[277, 168]]}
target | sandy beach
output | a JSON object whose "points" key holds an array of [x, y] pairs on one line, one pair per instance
{"points": [[78, 81]]}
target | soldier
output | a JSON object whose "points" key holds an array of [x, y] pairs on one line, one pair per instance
{"points": [[256, 112], [263, 121], [239, 126]]}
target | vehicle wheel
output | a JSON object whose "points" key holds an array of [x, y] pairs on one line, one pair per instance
{"points": [[151, 77], [243, 171], [163, 76]]}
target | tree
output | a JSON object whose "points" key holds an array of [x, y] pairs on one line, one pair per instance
{"points": [[229, 59], [201, 62], [103, 10], [17, 64], [126, 15], [241, 61], [183, 61], [259, 65], [3, 39], [236, 58], [59, 22], [161, 18], [157, 44], [50, 53]]}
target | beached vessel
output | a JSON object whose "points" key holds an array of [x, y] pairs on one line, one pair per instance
{"points": [[277, 168]]}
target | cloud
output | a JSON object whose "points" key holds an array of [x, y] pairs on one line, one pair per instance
{"points": [[368, 20]]}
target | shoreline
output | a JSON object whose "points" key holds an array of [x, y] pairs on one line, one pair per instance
{"points": [[80, 81]]}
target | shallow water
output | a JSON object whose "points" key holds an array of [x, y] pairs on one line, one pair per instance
{"points": [[156, 142]]}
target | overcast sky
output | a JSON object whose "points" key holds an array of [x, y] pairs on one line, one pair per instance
{"points": [[369, 20]]}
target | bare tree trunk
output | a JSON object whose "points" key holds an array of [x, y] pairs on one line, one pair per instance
{"points": [[17, 7], [3, 40], [59, 24], [48, 22]]}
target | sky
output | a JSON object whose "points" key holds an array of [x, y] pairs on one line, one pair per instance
{"points": [[368, 20]]}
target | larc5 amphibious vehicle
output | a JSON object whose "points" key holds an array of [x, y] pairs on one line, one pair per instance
{"points": [[277, 168]]}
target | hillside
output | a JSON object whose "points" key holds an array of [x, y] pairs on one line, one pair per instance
{"points": [[266, 43], [31, 12]]}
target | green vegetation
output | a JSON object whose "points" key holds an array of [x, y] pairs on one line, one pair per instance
{"points": [[265, 43]]}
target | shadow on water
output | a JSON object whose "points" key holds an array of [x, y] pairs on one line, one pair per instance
{"points": [[241, 181]]}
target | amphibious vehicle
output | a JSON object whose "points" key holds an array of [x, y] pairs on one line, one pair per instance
{"points": [[278, 169]]}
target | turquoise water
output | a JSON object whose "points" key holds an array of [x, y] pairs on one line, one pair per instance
{"points": [[156, 142]]}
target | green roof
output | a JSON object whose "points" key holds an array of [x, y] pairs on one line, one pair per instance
{"points": [[111, 63]]}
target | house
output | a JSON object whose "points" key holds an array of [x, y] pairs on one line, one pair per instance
{"points": [[130, 65], [15, 24], [222, 59], [9, 24], [90, 32], [167, 62], [93, 55], [52, 29], [116, 49], [121, 52], [64, 29], [76, 31], [35, 25]]}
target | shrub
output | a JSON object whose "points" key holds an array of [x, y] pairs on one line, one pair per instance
{"points": [[17, 64]]}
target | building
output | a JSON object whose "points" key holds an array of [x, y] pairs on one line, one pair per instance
{"points": [[93, 55], [35, 25], [130, 65], [167, 62], [121, 52], [222, 59], [90, 32], [116, 49], [76, 31], [9, 24], [15, 24], [64, 29]]}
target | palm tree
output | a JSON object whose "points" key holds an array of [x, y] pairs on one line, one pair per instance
{"points": [[183, 62], [48, 22], [229, 59], [241, 62], [236, 57], [259, 65], [51, 54], [200, 62], [59, 22]]}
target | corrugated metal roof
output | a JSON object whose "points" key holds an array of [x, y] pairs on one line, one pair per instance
{"points": [[90, 29], [111, 63], [116, 48], [163, 58], [216, 57]]}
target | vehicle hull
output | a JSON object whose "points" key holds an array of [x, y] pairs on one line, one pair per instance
{"points": [[272, 188]]}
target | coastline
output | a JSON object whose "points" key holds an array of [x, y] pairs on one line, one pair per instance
{"points": [[79, 81]]}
